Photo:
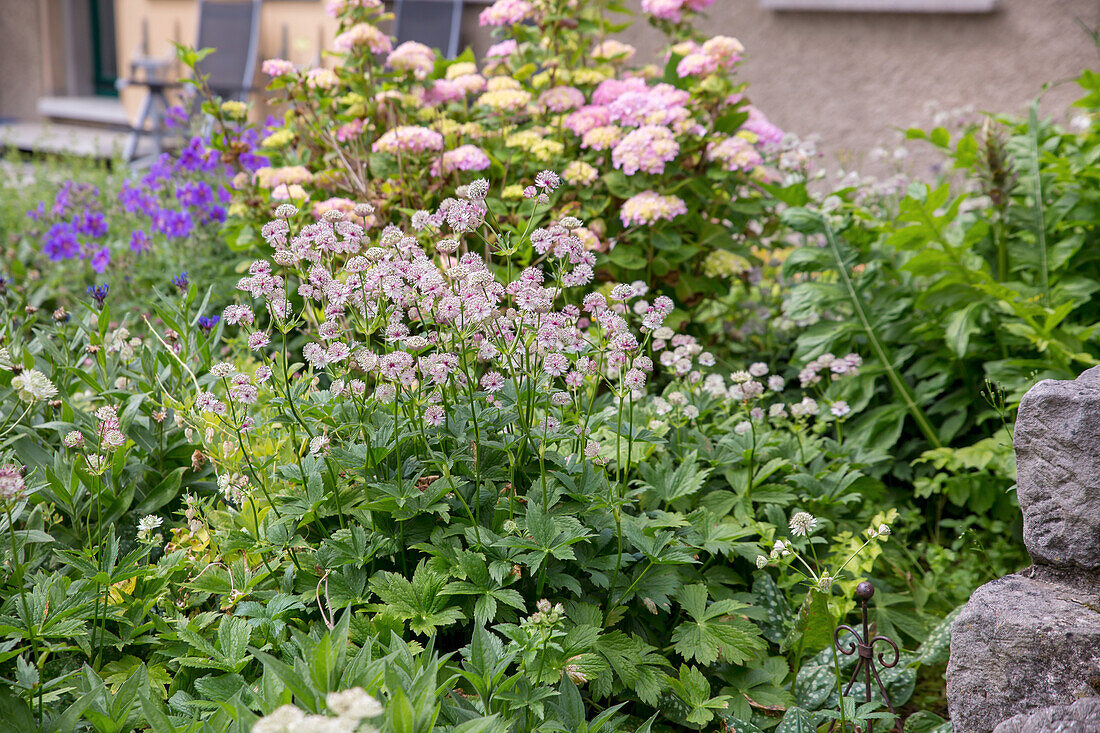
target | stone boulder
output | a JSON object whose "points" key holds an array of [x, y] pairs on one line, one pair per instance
{"points": [[1082, 716], [1057, 440], [1028, 645], [1022, 643]]}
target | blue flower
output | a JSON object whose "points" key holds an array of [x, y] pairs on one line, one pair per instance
{"points": [[135, 198], [99, 293], [60, 243], [101, 259], [193, 157], [175, 116], [207, 323], [181, 282], [195, 193], [172, 223], [139, 241], [92, 224]]}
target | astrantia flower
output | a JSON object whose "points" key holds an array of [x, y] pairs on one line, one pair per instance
{"points": [[12, 485], [258, 340], [555, 365], [148, 523], [434, 415], [74, 439], [492, 382], [802, 523], [840, 408], [33, 386], [761, 562], [318, 444]]}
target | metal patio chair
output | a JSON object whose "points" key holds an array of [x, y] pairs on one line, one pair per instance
{"points": [[435, 23], [233, 30]]}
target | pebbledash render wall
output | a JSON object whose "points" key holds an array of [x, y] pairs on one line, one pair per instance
{"points": [[854, 77]]}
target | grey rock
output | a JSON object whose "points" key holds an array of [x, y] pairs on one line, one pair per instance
{"points": [[1023, 643], [1082, 716], [1057, 439]]}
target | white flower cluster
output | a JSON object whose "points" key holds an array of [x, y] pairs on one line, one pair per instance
{"points": [[352, 707]]}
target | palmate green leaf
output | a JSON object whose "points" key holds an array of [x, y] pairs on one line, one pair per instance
{"points": [[693, 689], [550, 536], [713, 632], [636, 664], [670, 480], [423, 602]]}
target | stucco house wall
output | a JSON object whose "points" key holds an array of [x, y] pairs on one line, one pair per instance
{"points": [[854, 77], [850, 77]]}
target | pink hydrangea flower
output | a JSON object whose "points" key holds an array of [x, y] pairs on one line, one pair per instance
{"points": [[349, 130], [505, 12], [736, 153], [586, 118], [561, 99], [649, 207], [462, 158], [408, 139], [672, 9], [442, 91], [363, 35], [766, 132], [501, 50], [412, 57], [277, 67], [646, 149]]}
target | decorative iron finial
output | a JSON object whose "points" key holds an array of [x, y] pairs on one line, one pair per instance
{"points": [[865, 645]]}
